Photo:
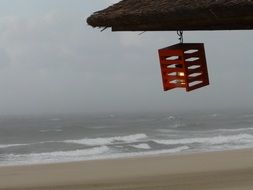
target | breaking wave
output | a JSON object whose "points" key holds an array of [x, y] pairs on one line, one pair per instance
{"points": [[98, 153], [11, 145], [216, 140], [141, 146], [108, 140], [51, 157]]}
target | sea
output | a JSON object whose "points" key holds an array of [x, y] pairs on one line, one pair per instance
{"points": [[43, 139]]}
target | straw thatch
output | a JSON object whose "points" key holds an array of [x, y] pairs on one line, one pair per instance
{"points": [[166, 15]]}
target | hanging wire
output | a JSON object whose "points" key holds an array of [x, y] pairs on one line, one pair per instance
{"points": [[103, 29], [181, 37]]}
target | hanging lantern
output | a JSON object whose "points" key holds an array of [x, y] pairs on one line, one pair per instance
{"points": [[184, 66]]}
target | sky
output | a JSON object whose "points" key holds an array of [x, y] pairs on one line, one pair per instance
{"points": [[51, 61]]}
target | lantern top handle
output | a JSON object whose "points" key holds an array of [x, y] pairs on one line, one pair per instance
{"points": [[181, 37]]}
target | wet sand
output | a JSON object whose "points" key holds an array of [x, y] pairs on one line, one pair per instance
{"points": [[227, 170]]}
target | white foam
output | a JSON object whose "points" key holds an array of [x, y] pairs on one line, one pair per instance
{"points": [[147, 153], [177, 125], [50, 130], [98, 153], [234, 130], [141, 146], [51, 157], [241, 138], [246, 129], [227, 147], [171, 117], [11, 145], [108, 140]]}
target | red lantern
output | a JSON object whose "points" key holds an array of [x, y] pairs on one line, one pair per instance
{"points": [[184, 66]]}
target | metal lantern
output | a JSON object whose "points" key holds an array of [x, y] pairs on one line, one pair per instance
{"points": [[184, 66]]}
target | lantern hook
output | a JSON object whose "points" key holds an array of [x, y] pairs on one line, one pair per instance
{"points": [[181, 37]]}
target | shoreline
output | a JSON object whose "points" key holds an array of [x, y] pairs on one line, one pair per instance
{"points": [[125, 157], [233, 168]]}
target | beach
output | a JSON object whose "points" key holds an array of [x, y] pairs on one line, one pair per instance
{"points": [[214, 170]]}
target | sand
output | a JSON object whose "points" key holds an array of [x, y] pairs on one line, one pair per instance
{"points": [[228, 170]]}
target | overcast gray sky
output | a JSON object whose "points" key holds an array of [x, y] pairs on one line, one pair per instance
{"points": [[51, 61]]}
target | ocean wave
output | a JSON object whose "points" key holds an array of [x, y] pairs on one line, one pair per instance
{"points": [[98, 153], [177, 125], [50, 130], [147, 153], [50, 157], [171, 117], [246, 116], [241, 138], [234, 130], [209, 131], [167, 130], [12, 145], [141, 146], [226, 147], [108, 140]]}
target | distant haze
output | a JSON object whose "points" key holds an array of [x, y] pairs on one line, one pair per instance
{"points": [[51, 61]]}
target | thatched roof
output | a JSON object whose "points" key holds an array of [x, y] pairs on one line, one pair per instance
{"points": [[166, 15]]}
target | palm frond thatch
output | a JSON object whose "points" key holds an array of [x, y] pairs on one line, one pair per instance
{"points": [[167, 15]]}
